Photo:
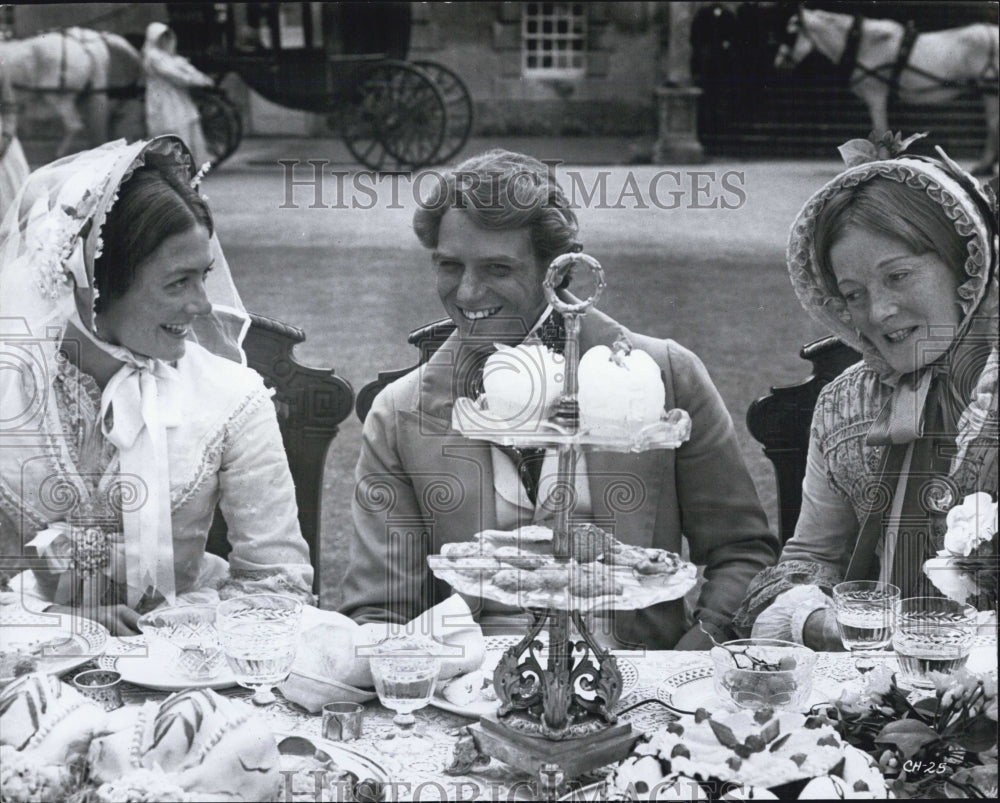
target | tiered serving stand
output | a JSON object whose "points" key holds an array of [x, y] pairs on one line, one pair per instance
{"points": [[555, 717]]}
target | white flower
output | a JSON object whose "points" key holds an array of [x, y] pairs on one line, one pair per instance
{"points": [[949, 579], [970, 524]]}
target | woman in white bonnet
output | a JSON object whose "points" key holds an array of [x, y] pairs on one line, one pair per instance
{"points": [[127, 412]]}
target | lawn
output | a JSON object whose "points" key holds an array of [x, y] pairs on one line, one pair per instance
{"points": [[357, 281]]}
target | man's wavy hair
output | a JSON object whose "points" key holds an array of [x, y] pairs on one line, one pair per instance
{"points": [[503, 190]]}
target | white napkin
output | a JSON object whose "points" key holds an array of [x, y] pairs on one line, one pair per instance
{"points": [[336, 648], [450, 623]]}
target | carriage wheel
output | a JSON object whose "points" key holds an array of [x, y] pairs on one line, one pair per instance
{"points": [[397, 120], [457, 104], [220, 123]]}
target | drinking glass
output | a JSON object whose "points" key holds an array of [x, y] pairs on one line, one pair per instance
{"points": [[259, 633], [933, 634], [405, 670], [866, 615]]}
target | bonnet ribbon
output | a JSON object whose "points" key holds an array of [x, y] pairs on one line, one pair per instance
{"points": [[902, 419], [132, 420]]}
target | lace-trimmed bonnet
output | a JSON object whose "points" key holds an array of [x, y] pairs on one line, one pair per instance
{"points": [[49, 241], [948, 185]]}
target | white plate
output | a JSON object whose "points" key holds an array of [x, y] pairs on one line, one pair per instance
{"points": [[495, 647], [70, 641], [694, 688], [362, 765], [156, 668]]}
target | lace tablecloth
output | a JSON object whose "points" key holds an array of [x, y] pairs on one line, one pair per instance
{"points": [[423, 777]]}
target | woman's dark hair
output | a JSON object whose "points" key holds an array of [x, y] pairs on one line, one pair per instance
{"points": [[503, 190], [154, 203], [893, 209]]}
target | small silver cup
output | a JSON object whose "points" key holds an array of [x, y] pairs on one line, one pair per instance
{"points": [[342, 721], [103, 686]]}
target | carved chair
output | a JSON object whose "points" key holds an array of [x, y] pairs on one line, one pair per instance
{"points": [[310, 403], [781, 421], [427, 340]]}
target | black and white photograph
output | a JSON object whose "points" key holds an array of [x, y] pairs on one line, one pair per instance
{"points": [[499, 401]]}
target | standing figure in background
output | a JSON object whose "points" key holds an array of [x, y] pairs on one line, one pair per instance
{"points": [[13, 165], [169, 107]]}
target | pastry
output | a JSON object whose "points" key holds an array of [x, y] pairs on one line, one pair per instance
{"points": [[589, 542], [513, 556], [756, 755], [522, 385], [621, 390], [206, 743], [588, 582], [531, 538], [47, 719], [515, 580]]}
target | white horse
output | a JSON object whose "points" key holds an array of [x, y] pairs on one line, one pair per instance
{"points": [[72, 71], [880, 59]]}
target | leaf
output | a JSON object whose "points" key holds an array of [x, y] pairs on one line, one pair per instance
{"points": [[780, 742], [723, 733], [927, 705], [909, 735], [161, 729], [188, 732], [856, 152], [906, 143], [29, 699], [6, 704], [979, 735], [771, 731], [680, 750]]}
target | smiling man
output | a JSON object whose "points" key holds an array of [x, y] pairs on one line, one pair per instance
{"points": [[493, 226]]}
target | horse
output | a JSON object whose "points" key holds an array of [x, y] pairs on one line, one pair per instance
{"points": [[74, 70], [882, 58]]}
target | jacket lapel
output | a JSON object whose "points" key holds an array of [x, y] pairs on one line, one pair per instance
{"points": [[455, 483]]}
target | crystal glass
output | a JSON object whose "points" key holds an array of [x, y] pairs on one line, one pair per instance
{"points": [[866, 615], [933, 634], [193, 639], [763, 673], [405, 670], [259, 634]]}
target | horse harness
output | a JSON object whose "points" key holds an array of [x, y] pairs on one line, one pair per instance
{"points": [[848, 63], [117, 92]]}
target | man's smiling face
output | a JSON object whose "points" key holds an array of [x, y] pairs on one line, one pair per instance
{"points": [[489, 280]]}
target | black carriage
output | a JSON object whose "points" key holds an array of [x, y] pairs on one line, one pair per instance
{"points": [[344, 60]]}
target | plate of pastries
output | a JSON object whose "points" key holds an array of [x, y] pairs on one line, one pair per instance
{"points": [[518, 567]]}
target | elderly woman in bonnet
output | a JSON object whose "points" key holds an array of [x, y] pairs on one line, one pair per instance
{"points": [[128, 413], [898, 257]]}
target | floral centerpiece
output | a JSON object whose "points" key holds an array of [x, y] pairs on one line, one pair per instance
{"points": [[923, 746], [966, 569]]}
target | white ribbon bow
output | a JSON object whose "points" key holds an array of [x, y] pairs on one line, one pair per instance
{"points": [[132, 420]]}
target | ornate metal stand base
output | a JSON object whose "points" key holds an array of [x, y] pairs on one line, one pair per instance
{"points": [[553, 763]]}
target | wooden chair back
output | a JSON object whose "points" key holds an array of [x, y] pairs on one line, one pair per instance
{"points": [[311, 403], [781, 421], [427, 339]]}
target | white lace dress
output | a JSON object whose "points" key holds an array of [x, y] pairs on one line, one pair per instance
{"points": [[225, 450]]}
